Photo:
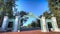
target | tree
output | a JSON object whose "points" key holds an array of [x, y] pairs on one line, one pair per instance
{"points": [[53, 7], [6, 7], [9, 5], [1, 6], [1, 9], [29, 26], [34, 24], [38, 23], [47, 15], [22, 13]]}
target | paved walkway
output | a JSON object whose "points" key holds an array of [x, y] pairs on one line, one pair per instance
{"points": [[31, 32]]}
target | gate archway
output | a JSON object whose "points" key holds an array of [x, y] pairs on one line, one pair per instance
{"points": [[43, 21]]}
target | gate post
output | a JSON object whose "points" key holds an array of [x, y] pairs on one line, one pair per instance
{"points": [[5, 23], [54, 23], [15, 24], [43, 24]]}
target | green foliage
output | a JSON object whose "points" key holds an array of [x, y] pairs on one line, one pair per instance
{"points": [[47, 15], [29, 26], [22, 13], [38, 23], [6, 6], [25, 26], [9, 5], [53, 7], [33, 24]]}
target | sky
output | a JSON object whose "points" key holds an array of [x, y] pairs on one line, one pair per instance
{"points": [[37, 7]]}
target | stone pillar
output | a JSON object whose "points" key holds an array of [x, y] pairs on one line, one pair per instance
{"points": [[5, 23], [43, 25], [15, 24], [19, 24], [54, 23]]}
